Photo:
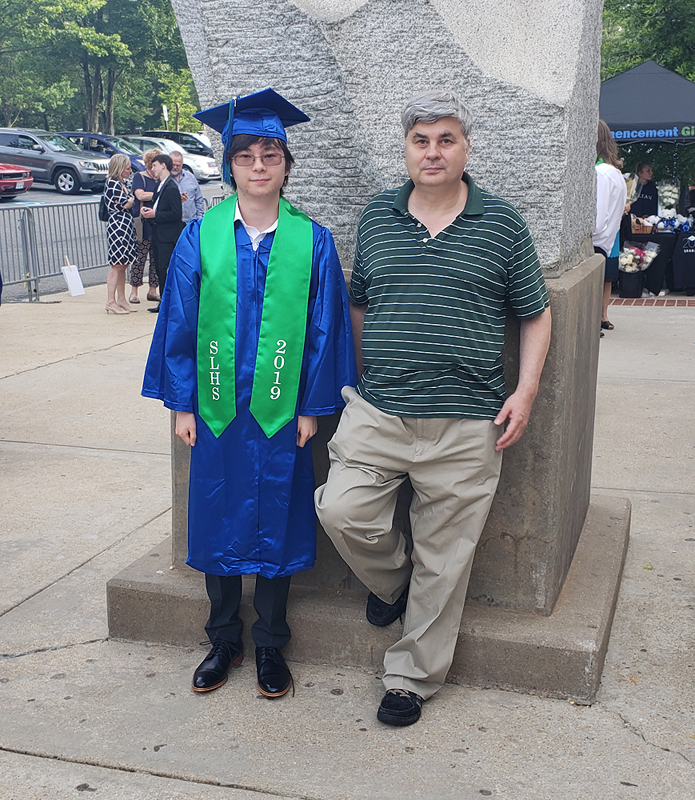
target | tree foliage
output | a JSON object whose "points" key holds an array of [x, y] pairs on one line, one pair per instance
{"points": [[178, 95], [635, 31], [92, 64]]}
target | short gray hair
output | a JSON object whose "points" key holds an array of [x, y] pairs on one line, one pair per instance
{"points": [[432, 106]]}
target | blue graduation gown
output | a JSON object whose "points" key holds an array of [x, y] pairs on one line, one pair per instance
{"points": [[251, 506]]}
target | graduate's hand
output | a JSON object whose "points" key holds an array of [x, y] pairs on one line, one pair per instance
{"points": [[185, 426], [306, 428]]}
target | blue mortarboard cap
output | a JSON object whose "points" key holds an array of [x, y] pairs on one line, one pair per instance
{"points": [[264, 113]]}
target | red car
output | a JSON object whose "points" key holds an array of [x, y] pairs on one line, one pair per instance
{"points": [[14, 181]]}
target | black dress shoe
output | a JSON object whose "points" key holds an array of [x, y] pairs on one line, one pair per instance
{"points": [[213, 670], [154, 310], [382, 614], [274, 676], [400, 707]]}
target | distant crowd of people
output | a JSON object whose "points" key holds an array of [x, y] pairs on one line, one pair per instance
{"points": [[144, 222], [614, 210]]}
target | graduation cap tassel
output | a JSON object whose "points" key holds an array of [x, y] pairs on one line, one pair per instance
{"points": [[226, 139]]}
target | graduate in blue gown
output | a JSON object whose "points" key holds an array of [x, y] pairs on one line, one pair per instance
{"points": [[252, 344]]}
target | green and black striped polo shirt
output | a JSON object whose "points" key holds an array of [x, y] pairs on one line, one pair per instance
{"points": [[436, 306]]}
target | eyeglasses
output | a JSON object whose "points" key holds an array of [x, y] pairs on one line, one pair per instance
{"points": [[248, 160]]}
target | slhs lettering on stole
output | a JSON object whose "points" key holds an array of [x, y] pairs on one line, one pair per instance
{"points": [[214, 371]]}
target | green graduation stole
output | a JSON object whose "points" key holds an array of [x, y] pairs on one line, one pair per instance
{"points": [[283, 321]]}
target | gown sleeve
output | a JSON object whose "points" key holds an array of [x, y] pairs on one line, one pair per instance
{"points": [[170, 374], [329, 349]]}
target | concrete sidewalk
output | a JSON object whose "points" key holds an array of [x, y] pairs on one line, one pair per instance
{"points": [[86, 490]]}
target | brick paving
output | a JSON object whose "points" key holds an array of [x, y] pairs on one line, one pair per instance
{"points": [[675, 302]]}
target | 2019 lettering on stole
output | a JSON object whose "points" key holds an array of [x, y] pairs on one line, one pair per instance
{"points": [[278, 363]]}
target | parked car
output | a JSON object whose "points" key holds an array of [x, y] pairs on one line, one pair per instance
{"points": [[54, 159], [191, 142], [205, 169], [14, 181], [204, 138], [107, 145]]}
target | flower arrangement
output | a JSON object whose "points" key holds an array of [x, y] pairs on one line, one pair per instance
{"points": [[669, 192], [635, 258]]}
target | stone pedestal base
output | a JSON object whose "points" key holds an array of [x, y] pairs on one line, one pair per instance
{"points": [[560, 655]]}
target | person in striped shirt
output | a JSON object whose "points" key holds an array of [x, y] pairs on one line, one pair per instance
{"points": [[438, 262]]}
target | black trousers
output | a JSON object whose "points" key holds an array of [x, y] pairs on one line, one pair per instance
{"points": [[269, 600], [162, 252]]}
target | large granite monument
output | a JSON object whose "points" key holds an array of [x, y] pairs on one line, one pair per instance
{"points": [[547, 569]]}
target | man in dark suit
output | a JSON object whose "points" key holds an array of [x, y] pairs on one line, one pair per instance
{"points": [[165, 216]]}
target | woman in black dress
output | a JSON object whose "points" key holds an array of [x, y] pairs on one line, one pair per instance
{"points": [[123, 244]]}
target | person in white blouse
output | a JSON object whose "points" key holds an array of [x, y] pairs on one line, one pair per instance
{"points": [[611, 196]]}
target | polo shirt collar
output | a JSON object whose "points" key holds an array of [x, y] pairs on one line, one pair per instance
{"points": [[474, 204]]}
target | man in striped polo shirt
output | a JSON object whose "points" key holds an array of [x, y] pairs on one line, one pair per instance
{"points": [[438, 262]]}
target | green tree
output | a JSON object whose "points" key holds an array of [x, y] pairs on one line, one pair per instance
{"points": [[94, 64], [30, 85], [119, 41], [178, 94], [30, 25], [635, 31], [103, 56]]}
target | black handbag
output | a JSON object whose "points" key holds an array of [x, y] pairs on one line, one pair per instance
{"points": [[103, 210]]}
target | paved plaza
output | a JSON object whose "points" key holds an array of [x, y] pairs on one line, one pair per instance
{"points": [[86, 490]]}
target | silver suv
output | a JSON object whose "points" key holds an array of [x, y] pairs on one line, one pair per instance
{"points": [[54, 159]]}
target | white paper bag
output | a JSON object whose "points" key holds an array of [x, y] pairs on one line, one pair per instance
{"points": [[73, 279]]}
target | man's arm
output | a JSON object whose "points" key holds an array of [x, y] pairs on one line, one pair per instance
{"points": [[199, 202], [357, 318], [535, 340]]}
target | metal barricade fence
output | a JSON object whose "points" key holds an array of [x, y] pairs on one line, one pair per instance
{"points": [[13, 250], [35, 240]]}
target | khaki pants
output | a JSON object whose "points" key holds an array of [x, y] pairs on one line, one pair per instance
{"points": [[454, 470]]}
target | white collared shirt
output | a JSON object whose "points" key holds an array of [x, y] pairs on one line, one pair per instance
{"points": [[159, 192], [255, 235]]}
